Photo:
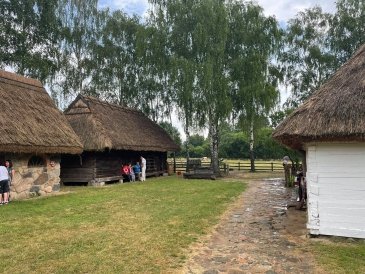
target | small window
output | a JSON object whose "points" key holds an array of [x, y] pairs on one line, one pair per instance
{"points": [[36, 161]]}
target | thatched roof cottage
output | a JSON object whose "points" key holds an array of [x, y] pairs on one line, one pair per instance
{"points": [[330, 128], [33, 135], [113, 135]]}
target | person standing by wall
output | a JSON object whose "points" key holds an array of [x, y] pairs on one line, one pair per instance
{"points": [[131, 173], [143, 166], [137, 171], [11, 172], [126, 173], [4, 184]]}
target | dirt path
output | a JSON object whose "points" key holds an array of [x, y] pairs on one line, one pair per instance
{"points": [[256, 235]]}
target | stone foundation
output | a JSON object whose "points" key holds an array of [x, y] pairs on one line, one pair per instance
{"points": [[32, 181]]}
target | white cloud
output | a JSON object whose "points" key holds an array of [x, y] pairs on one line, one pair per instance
{"points": [[282, 9], [131, 7], [287, 9]]}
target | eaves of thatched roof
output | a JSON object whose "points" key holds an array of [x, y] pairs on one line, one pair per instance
{"points": [[30, 122], [334, 113], [102, 125]]}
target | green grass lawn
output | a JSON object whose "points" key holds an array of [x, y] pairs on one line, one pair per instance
{"points": [[340, 256], [129, 228]]}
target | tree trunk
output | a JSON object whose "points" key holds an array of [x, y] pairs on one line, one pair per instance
{"points": [[214, 141], [252, 155]]}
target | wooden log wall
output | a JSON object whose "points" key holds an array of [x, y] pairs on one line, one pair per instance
{"points": [[98, 165]]}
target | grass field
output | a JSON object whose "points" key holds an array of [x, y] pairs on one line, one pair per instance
{"points": [[340, 255], [132, 228], [129, 228]]}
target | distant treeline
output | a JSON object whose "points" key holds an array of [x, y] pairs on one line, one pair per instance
{"points": [[235, 145]]}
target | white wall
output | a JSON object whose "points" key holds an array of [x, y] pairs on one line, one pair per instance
{"points": [[336, 189]]}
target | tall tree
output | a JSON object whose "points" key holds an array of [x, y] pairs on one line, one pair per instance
{"points": [[212, 103], [172, 131], [347, 32], [253, 41], [153, 59], [114, 56], [197, 33], [307, 58], [177, 20], [79, 33], [28, 36]]}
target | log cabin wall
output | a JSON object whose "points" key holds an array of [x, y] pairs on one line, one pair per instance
{"points": [[108, 164], [77, 168], [97, 167]]}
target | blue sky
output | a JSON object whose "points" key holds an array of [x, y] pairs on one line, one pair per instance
{"points": [[131, 7], [283, 10]]}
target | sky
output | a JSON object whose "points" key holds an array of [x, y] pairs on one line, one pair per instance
{"points": [[283, 10]]}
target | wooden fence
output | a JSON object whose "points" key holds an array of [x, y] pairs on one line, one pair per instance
{"points": [[259, 166], [268, 166]]}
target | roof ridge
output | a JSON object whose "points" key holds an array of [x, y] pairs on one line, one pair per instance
{"points": [[100, 101], [20, 79]]}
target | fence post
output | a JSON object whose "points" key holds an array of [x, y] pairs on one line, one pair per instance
{"points": [[239, 165], [174, 163], [272, 166]]}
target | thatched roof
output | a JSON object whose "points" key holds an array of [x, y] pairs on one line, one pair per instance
{"points": [[102, 125], [335, 112], [30, 122]]}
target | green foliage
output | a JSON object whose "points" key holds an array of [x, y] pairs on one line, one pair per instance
{"points": [[307, 58], [347, 32], [197, 140], [208, 60], [317, 43], [253, 43], [198, 146], [279, 115], [268, 148], [28, 36], [197, 33], [234, 145], [114, 56], [199, 151], [153, 70], [80, 27], [172, 131]]}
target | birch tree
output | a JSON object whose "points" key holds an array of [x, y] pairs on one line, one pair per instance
{"points": [[80, 22], [253, 41], [197, 33], [308, 58], [176, 18], [114, 56], [347, 31], [28, 37]]}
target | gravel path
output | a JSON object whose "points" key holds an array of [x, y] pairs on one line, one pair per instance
{"points": [[256, 235]]}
